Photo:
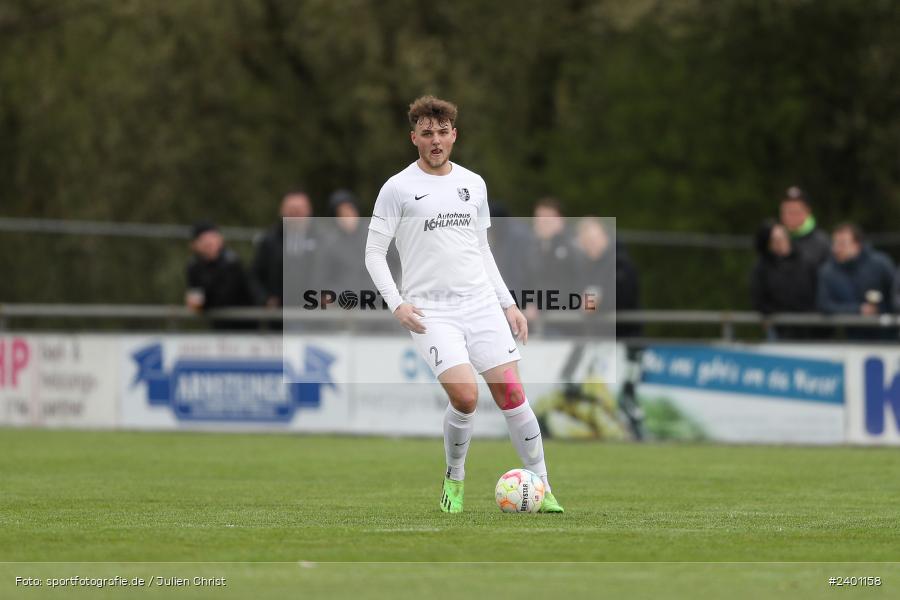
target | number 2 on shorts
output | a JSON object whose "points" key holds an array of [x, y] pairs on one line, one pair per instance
{"points": [[437, 361]]}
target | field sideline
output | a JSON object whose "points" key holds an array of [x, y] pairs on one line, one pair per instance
{"points": [[128, 497]]}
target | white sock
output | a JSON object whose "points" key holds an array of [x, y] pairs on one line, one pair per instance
{"points": [[525, 434], [457, 433]]}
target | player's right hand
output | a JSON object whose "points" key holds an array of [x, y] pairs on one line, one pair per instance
{"points": [[406, 314]]}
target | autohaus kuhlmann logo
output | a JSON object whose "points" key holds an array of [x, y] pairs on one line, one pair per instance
{"points": [[879, 395], [236, 390], [453, 219]]}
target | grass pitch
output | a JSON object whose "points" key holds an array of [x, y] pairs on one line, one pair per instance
{"points": [[324, 516]]}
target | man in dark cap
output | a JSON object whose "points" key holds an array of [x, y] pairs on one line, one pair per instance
{"points": [[339, 266], [809, 242], [215, 276]]}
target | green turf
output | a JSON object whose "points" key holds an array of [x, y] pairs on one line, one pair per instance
{"points": [[172, 497]]}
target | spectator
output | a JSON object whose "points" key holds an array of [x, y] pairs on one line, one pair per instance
{"points": [[599, 268], [509, 237], [215, 276], [856, 280], [268, 264], [897, 292], [550, 261], [810, 242], [782, 281], [341, 265]]}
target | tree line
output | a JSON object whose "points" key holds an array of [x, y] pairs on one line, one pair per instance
{"points": [[675, 115]]}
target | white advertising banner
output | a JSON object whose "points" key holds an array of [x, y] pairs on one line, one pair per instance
{"points": [[393, 392], [298, 384], [769, 393], [58, 381], [416, 405]]}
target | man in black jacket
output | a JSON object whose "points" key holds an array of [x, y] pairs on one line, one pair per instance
{"points": [[782, 281], [550, 258], [215, 276], [897, 292], [603, 264], [857, 280], [268, 263]]}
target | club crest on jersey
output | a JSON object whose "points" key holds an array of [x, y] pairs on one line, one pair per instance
{"points": [[463, 194]]}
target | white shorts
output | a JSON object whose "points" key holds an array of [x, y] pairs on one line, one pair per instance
{"points": [[458, 335]]}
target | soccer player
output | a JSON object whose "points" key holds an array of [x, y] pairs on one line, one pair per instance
{"points": [[454, 301]]}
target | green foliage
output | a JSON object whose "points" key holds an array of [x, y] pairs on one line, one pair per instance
{"points": [[669, 115], [664, 421]]}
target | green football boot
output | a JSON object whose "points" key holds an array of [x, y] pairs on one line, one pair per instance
{"points": [[550, 505], [452, 496]]}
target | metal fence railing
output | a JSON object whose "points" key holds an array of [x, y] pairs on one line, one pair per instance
{"points": [[631, 237], [172, 315]]}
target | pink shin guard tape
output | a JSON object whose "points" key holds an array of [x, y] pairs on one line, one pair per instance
{"points": [[512, 400]]}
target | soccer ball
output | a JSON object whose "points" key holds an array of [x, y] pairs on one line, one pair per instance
{"points": [[519, 491]]}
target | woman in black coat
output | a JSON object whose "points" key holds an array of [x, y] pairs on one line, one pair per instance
{"points": [[782, 280]]}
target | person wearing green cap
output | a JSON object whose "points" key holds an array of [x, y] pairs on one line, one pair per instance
{"points": [[811, 243]]}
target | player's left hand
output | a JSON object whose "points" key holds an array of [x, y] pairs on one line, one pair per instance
{"points": [[518, 323]]}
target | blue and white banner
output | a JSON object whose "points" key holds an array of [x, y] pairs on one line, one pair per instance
{"points": [[759, 394], [230, 381], [223, 389], [741, 372]]}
